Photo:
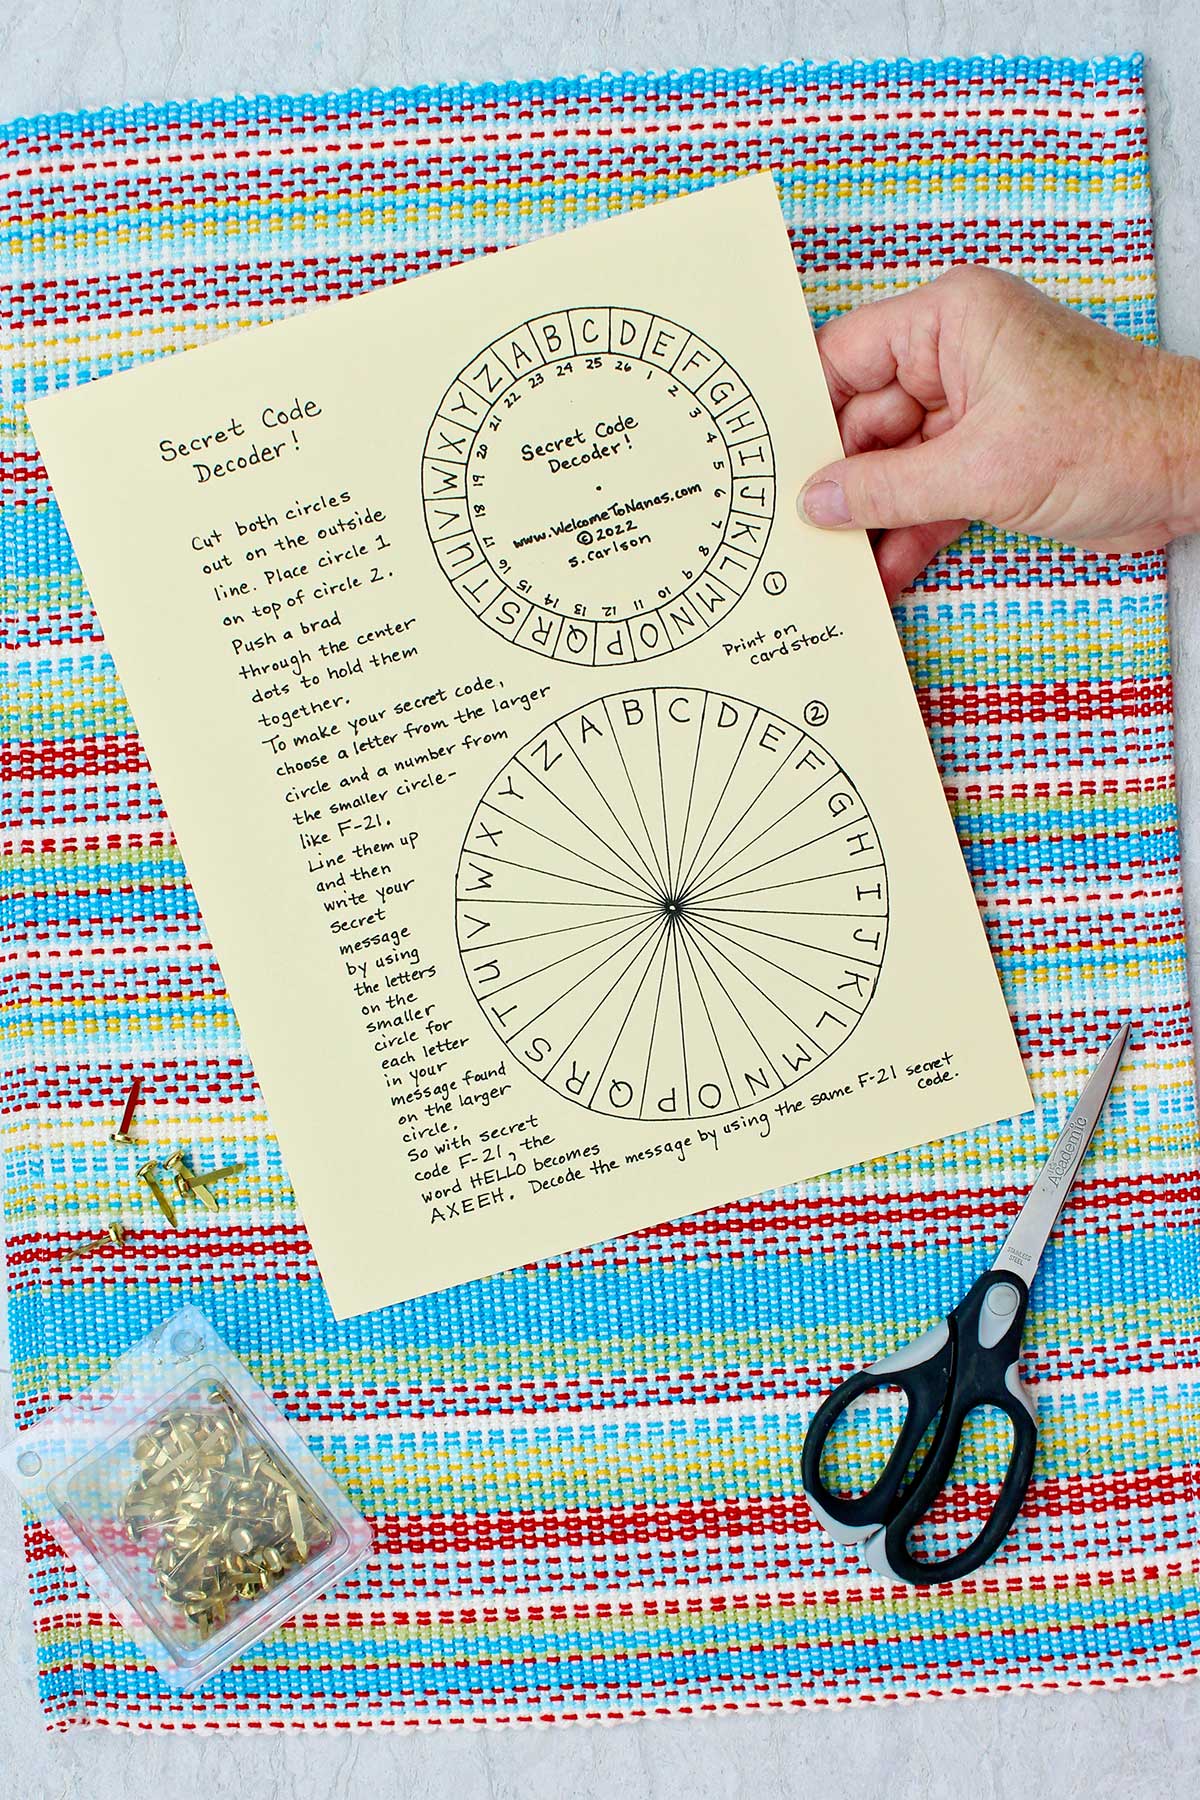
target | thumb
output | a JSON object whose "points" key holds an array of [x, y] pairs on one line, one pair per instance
{"points": [[915, 485]]}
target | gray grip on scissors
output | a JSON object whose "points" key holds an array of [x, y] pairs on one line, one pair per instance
{"points": [[876, 1557], [920, 1350], [1019, 1391], [842, 1534], [996, 1314]]}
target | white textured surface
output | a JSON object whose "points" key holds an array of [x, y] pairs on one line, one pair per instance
{"points": [[1133, 1743]]}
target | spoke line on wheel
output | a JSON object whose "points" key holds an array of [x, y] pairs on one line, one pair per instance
{"points": [[695, 874], [647, 943], [597, 887], [642, 891], [749, 979], [642, 874], [687, 951], [792, 850], [713, 873], [773, 887], [626, 931], [749, 950], [558, 998], [650, 875], [737, 755], [634, 794], [554, 931], [624, 1022]]}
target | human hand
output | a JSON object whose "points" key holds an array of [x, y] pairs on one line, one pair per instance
{"points": [[977, 397]]}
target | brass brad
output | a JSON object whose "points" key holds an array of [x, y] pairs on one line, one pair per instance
{"points": [[148, 1172], [190, 1181], [113, 1236]]}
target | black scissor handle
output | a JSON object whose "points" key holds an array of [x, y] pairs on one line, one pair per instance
{"points": [[921, 1370], [985, 1333]]}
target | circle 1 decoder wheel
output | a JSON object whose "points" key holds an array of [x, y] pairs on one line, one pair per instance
{"points": [[599, 485], [671, 904]]}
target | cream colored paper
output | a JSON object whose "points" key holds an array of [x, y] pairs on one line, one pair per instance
{"points": [[556, 800]]}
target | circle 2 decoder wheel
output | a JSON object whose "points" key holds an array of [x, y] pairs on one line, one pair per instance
{"points": [[671, 904], [598, 485]]}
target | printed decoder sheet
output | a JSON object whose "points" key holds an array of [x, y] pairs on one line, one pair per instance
{"points": [[556, 799]]}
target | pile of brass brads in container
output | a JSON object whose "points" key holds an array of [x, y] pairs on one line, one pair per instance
{"points": [[222, 1516]]}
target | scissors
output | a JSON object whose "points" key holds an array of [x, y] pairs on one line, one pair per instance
{"points": [[969, 1360]]}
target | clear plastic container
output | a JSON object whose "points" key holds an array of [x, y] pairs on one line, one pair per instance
{"points": [[186, 1501]]}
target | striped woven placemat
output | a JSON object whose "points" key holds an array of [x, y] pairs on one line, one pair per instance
{"points": [[584, 1475]]}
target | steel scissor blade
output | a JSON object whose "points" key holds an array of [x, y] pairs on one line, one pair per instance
{"points": [[1022, 1249]]}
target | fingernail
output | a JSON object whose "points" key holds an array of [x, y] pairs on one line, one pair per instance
{"points": [[824, 503]]}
